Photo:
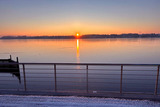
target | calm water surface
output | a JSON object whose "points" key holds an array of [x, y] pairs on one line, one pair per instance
{"points": [[82, 51]]}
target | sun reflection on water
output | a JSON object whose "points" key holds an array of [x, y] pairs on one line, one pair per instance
{"points": [[78, 55]]}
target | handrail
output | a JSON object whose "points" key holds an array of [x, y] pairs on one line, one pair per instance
{"points": [[114, 64]]}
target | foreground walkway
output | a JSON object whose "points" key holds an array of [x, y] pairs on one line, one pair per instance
{"points": [[47, 101]]}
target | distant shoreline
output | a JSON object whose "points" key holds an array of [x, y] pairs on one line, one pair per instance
{"points": [[93, 36]]}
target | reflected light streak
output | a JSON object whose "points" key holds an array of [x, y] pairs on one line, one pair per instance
{"points": [[78, 55]]}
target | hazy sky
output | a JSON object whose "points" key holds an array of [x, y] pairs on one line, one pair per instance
{"points": [[66, 17]]}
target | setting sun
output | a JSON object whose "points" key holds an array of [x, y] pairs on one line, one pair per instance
{"points": [[77, 35]]}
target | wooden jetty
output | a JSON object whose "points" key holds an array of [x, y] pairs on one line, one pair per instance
{"points": [[12, 67]]}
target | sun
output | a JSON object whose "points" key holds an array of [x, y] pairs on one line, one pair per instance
{"points": [[77, 35]]}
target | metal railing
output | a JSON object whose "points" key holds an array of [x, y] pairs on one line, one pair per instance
{"points": [[86, 77]]}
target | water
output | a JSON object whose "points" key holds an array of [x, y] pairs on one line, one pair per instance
{"points": [[83, 50], [131, 50]]}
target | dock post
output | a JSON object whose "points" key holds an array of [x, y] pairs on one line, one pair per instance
{"points": [[24, 75], [87, 78], [55, 78], [156, 86], [121, 79], [17, 60], [10, 57]]}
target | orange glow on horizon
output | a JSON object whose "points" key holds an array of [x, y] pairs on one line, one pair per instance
{"points": [[84, 29]]}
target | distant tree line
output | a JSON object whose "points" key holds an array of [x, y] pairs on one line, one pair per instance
{"points": [[130, 35]]}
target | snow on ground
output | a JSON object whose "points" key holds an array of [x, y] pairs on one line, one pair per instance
{"points": [[47, 101]]}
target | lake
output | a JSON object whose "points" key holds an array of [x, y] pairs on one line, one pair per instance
{"points": [[130, 50], [146, 50]]}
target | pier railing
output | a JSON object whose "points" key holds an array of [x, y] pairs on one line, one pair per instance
{"points": [[84, 78]]}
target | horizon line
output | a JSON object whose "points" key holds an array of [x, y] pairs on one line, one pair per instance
{"points": [[81, 35]]}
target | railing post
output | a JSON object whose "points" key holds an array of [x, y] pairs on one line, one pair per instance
{"points": [[87, 78], [121, 79], [156, 86], [24, 76], [55, 78]]}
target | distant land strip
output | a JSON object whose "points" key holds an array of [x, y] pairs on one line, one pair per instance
{"points": [[94, 36]]}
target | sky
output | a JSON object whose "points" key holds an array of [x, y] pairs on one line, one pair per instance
{"points": [[67, 17]]}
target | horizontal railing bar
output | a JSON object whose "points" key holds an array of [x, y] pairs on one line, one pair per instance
{"points": [[83, 69], [42, 90], [29, 84], [119, 83], [105, 69], [39, 81], [59, 69], [119, 74], [119, 70], [85, 82], [71, 73], [88, 78], [138, 84], [104, 86], [36, 69], [73, 77], [80, 73], [139, 75], [98, 64], [38, 73], [71, 85], [123, 78], [10, 84], [53, 85], [139, 70], [53, 76], [138, 78], [39, 77], [70, 69], [102, 78], [9, 80], [101, 74], [90, 69], [81, 82], [146, 87], [105, 82], [127, 79], [72, 81]]}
